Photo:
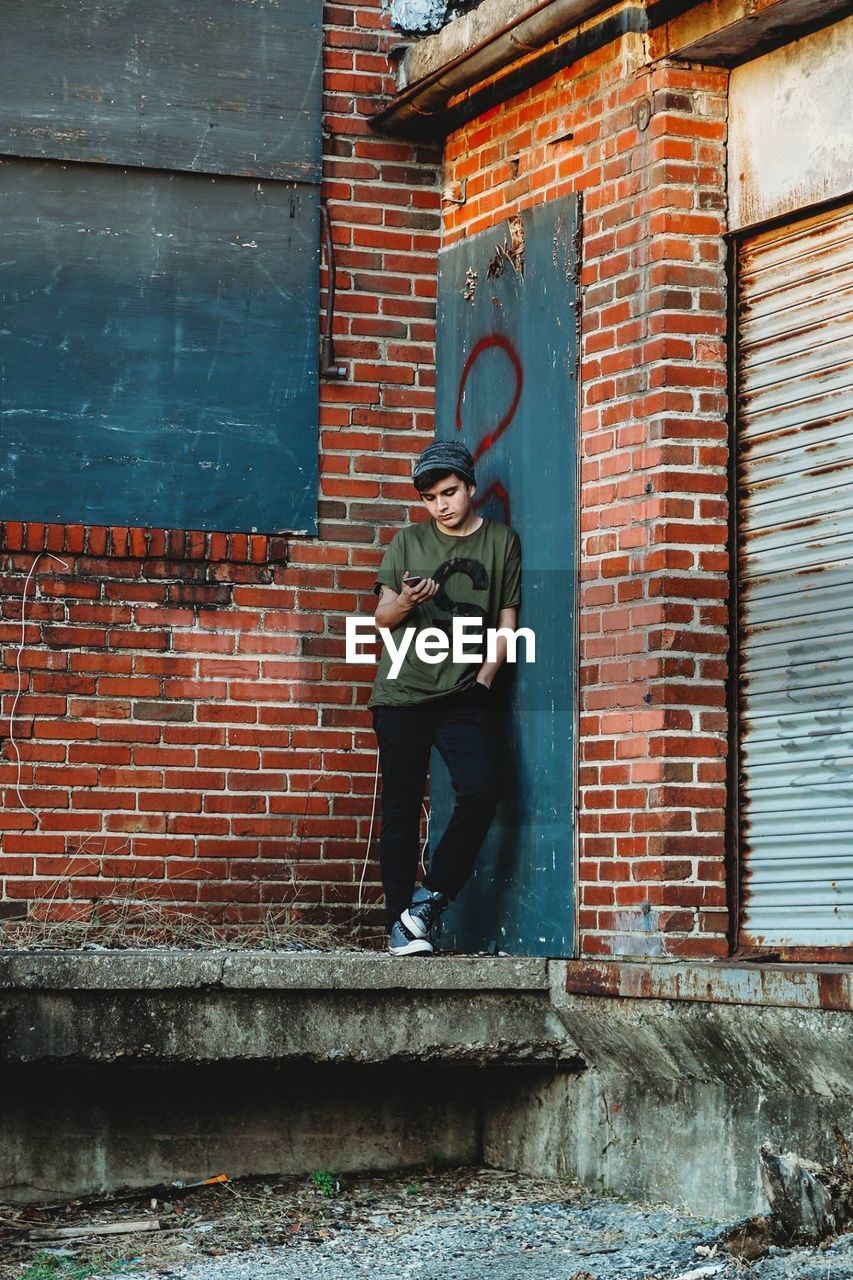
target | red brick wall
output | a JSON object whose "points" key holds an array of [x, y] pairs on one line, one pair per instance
{"points": [[187, 729], [646, 147]]}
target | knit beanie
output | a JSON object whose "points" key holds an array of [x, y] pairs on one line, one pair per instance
{"points": [[446, 455]]}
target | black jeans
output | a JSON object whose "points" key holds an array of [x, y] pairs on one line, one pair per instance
{"points": [[461, 727]]}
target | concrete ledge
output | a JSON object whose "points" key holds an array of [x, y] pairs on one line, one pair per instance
{"points": [[495, 36], [728, 32], [294, 1007], [734, 1048], [680, 1093], [173, 970], [494, 33], [167, 1062], [656, 1080]]}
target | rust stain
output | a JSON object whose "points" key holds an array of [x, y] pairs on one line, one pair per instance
{"points": [[593, 978], [752, 978], [832, 991], [756, 950], [830, 470]]}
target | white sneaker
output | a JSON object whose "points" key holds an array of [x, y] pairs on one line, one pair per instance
{"points": [[404, 943], [422, 917]]}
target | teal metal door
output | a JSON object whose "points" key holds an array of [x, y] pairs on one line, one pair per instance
{"points": [[507, 386]]}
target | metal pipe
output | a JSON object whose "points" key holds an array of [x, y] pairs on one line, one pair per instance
{"points": [[528, 33], [328, 368]]}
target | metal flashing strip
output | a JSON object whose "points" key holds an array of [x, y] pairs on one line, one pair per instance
{"points": [[422, 110], [480, 40], [631, 20], [749, 32], [529, 46], [783, 986]]}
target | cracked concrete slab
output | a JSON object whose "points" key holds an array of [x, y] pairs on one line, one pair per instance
{"points": [[150, 969], [343, 1007]]}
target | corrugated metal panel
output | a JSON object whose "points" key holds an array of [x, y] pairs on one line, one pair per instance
{"points": [[795, 482]]}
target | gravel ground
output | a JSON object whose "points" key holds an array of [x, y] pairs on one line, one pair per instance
{"points": [[458, 1225]]}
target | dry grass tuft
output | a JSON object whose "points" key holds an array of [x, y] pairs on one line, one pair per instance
{"points": [[125, 923]]}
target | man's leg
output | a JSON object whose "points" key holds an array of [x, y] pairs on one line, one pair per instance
{"points": [[465, 738], [405, 739]]}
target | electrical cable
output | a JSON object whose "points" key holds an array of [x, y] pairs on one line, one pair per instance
{"points": [[12, 743], [369, 837]]}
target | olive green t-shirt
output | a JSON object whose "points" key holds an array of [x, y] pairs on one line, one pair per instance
{"points": [[478, 574]]}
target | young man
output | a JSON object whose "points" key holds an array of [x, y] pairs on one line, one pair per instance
{"points": [[456, 564]]}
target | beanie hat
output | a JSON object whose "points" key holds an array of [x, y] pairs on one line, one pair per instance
{"points": [[446, 455]]}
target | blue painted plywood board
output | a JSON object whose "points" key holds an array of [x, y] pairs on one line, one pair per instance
{"points": [[158, 348], [507, 386], [212, 86]]}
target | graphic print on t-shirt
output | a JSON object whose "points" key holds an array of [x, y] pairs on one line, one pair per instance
{"points": [[480, 581], [476, 585]]}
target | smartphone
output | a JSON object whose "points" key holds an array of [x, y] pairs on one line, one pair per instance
{"points": [[412, 582]]}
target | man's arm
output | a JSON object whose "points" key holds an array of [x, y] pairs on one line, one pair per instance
{"points": [[506, 618], [394, 608]]}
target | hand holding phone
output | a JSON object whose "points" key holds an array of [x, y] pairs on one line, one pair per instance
{"points": [[417, 589]]}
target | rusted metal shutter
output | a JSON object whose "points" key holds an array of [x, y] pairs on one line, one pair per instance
{"points": [[795, 482]]}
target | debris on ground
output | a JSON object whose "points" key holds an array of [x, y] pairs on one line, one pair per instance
{"points": [[459, 1224], [801, 1201], [702, 1273], [87, 1230], [178, 1185], [809, 1203], [750, 1240]]}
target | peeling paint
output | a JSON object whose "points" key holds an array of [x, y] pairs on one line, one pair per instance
{"points": [[422, 16], [510, 251], [790, 144]]}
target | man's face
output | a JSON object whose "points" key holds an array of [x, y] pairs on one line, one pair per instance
{"points": [[449, 501]]}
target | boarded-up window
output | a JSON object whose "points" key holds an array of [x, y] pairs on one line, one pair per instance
{"points": [[159, 271]]}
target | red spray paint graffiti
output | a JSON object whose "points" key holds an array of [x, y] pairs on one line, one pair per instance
{"points": [[496, 489]]}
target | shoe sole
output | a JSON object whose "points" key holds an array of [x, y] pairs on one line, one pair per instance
{"points": [[417, 947], [413, 925]]}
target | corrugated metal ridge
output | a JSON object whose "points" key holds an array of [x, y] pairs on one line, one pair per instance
{"points": [[774, 244], [815, 459], [790, 822]]}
